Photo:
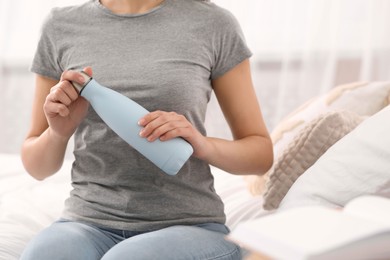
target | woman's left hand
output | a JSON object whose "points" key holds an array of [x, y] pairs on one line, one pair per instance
{"points": [[168, 125]]}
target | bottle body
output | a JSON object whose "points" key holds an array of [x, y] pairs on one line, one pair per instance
{"points": [[121, 114]]}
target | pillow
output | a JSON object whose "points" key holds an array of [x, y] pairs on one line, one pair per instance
{"points": [[304, 150], [376, 95], [358, 164]]}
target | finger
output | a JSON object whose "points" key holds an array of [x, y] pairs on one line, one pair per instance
{"points": [[149, 117], [59, 94], [88, 70], [177, 132], [169, 131], [63, 92], [154, 120], [69, 90], [72, 75], [165, 127], [55, 109]]}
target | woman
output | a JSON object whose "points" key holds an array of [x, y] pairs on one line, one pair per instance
{"points": [[167, 55]]}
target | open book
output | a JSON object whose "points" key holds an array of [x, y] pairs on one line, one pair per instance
{"points": [[361, 230]]}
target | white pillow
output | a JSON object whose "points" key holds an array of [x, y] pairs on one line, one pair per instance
{"points": [[358, 164], [350, 97]]}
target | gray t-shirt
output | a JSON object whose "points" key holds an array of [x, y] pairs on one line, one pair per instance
{"points": [[165, 60]]}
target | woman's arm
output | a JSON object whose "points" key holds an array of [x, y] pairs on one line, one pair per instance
{"points": [[56, 113], [251, 150]]}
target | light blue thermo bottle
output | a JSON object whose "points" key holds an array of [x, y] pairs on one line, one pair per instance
{"points": [[121, 114]]}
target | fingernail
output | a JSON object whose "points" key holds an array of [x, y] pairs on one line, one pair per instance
{"points": [[141, 133], [141, 121], [81, 78]]}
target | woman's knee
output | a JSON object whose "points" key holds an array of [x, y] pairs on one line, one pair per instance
{"points": [[179, 242]]}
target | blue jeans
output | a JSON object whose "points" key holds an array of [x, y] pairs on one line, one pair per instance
{"points": [[73, 240]]}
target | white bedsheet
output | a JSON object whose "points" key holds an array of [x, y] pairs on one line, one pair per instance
{"points": [[27, 205]]}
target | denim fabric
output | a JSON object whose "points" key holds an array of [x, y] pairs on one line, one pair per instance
{"points": [[73, 240]]}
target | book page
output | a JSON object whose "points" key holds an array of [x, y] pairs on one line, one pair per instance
{"points": [[374, 247], [373, 208], [303, 233]]}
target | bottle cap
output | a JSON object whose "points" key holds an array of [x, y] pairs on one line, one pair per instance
{"points": [[79, 87]]}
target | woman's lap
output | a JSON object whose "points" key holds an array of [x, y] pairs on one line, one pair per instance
{"points": [[68, 240], [73, 240]]}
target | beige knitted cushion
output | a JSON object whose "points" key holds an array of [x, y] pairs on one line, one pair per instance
{"points": [[362, 98], [365, 99], [304, 150]]}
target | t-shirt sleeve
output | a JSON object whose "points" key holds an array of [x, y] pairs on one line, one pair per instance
{"points": [[45, 61], [229, 45]]}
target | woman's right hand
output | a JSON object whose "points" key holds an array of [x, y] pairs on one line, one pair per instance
{"points": [[64, 108]]}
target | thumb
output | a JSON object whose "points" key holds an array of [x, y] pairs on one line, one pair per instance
{"points": [[88, 70]]}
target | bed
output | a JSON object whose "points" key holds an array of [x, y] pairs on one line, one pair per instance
{"points": [[27, 205], [330, 150]]}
